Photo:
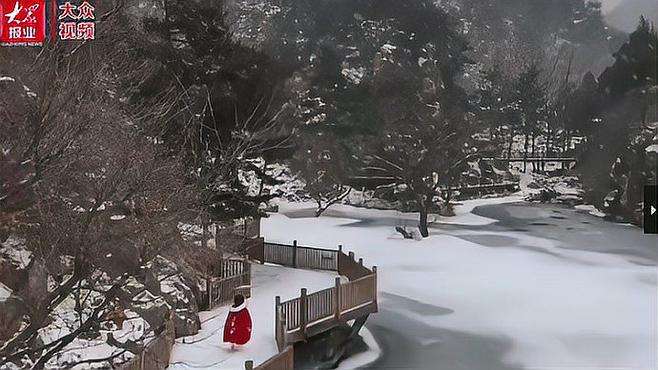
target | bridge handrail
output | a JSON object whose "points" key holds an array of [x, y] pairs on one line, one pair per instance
{"points": [[328, 306]]}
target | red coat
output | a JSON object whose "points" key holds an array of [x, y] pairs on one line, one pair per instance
{"points": [[237, 329]]}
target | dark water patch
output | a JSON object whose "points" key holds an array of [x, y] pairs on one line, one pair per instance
{"points": [[558, 217], [541, 224], [410, 304], [542, 251], [407, 343], [585, 222], [489, 240], [521, 230]]}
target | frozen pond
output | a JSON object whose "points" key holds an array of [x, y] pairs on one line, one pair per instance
{"points": [[504, 285]]}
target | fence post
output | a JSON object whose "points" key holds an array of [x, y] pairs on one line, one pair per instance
{"points": [[374, 287], [209, 291], [338, 258], [337, 299], [303, 315], [294, 253], [261, 243], [277, 321], [284, 329], [247, 277], [351, 254], [249, 365], [360, 261]]}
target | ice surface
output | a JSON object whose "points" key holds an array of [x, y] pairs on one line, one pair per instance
{"points": [[560, 308]]}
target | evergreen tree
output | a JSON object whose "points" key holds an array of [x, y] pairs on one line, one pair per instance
{"points": [[532, 103], [616, 163]]}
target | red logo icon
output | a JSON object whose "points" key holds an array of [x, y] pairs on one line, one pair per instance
{"points": [[22, 22]]}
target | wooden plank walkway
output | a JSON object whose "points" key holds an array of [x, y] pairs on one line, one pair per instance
{"points": [[533, 159], [313, 313]]}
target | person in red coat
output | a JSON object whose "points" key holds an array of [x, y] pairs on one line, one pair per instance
{"points": [[237, 329]]}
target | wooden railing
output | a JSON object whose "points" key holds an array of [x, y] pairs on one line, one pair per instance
{"points": [[229, 267], [300, 256], [312, 313], [234, 278]]}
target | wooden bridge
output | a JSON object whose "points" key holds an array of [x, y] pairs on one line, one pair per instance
{"points": [[540, 162], [470, 190], [313, 313]]}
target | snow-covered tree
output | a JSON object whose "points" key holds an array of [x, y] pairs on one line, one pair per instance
{"points": [[93, 199], [426, 139], [321, 162]]}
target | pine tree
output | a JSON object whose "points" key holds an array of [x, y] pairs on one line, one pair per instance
{"points": [[532, 101]]}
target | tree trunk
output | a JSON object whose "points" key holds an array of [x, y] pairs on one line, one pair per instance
{"points": [[525, 153], [206, 233], [422, 225], [533, 153]]}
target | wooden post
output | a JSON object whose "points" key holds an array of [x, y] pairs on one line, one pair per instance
{"points": [[246, 280], [337, 299], [277, 321], [351, 254], [374, 273], [361, 261], [338, 257], [209, 291], [303, 315], [249, 365], [294, 253], [284, 328]]}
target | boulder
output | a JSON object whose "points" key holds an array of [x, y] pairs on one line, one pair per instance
{"points": [[176, 288], [152, 308], [12, 310]]}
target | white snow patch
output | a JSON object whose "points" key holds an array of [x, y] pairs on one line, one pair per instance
{"points": [[652, 148], [14, 249], [5, 292], [364, 358], [592, 210]]}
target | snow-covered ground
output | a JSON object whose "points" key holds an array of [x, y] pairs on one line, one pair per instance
{"points": [[506, 298], [206, 349]]}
